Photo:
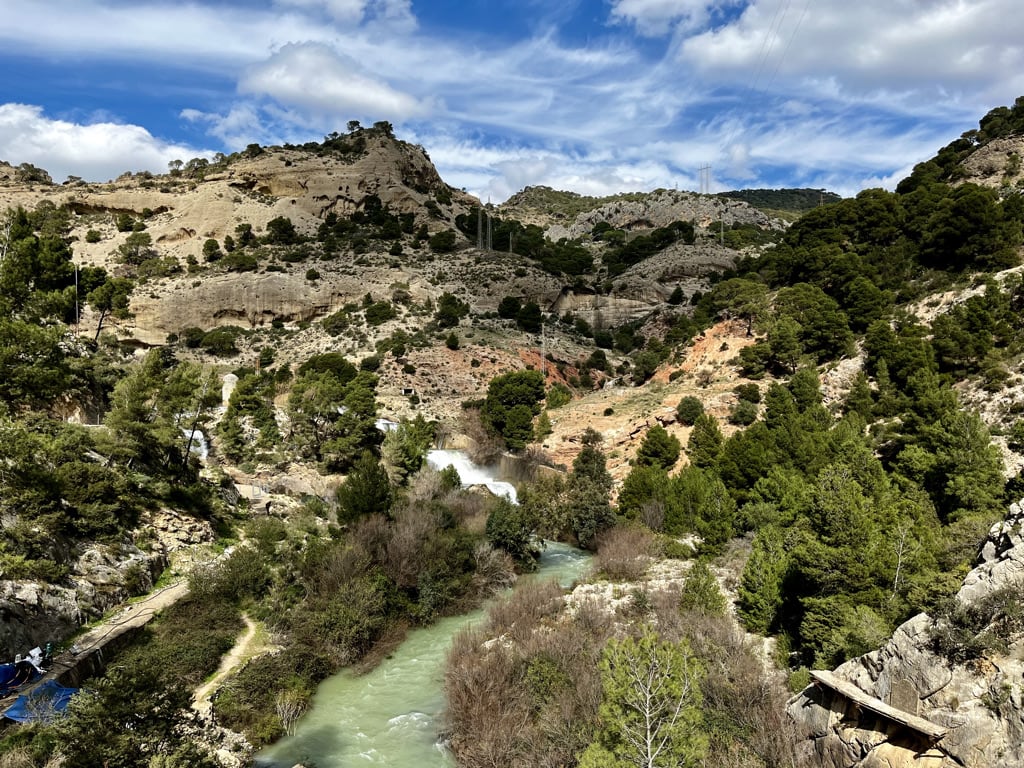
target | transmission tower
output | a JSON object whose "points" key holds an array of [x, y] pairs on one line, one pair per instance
{"points": [[705, 179]]}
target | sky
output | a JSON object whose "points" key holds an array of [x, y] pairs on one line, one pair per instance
{"points": [[591, 96]]}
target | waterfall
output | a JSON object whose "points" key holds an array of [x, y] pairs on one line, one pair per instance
{"points": [[471, 474]]}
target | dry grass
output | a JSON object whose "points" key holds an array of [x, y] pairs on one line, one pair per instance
{"points": [[528, 699], [21, 757], [624, 553]]}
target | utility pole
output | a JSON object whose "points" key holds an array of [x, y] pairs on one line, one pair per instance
{"points": [[480, 227], [543, 351]]}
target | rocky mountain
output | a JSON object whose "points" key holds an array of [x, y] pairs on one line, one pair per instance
{"points": [[827, 363]]}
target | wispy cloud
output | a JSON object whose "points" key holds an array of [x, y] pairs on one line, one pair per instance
{"points": [[767, 91]]}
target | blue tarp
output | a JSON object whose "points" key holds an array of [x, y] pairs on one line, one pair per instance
{"points": [[46, 700], [13, 676]]}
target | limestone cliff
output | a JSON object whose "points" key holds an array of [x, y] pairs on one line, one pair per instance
{"points": [[978, 701]]}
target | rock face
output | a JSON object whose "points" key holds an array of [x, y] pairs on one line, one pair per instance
{"points": [[102, 576], [661, 208], [979, 703]]}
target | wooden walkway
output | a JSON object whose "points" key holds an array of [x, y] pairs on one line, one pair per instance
{"points": [[879, 707]]}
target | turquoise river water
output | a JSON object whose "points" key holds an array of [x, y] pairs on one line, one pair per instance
{"points": [[392, 715]]}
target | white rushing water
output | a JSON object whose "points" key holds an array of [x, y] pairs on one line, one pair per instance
{"points": [[471, 474], [199, 445]]}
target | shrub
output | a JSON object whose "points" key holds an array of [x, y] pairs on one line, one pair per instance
{"points": [[743, 413], [336, 323], [963, 632], [92, 236], [221, 341], [211, 250], [558, 395], [239, 262], [689, 410], [749, 392], [443, 242], [379, 313], [624, 552], [509, 307]]}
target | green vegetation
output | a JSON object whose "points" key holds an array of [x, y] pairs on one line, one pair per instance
{"points": [[593, 688], [513, 399], [793, 201], [860, 512]]}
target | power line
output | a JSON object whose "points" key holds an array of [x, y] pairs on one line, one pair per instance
{"points": [[773, 29], [778, 64]]}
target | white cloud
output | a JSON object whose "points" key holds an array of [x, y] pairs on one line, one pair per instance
{"points": [[341, 10], [96, 151], [834, 90], [909, 55], [315, 78], [658, 17], [242, 125], [394, 13]]}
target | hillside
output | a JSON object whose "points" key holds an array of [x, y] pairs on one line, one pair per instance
{"points": [[230, 374]]}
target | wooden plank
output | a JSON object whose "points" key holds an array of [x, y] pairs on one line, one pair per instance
{"points": [[879, 707]]}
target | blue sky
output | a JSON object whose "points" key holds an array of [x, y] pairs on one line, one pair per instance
{"points": [[594, 96]]}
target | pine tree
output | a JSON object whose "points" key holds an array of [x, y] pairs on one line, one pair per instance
{"points": [[706, 442], [650, 715]]}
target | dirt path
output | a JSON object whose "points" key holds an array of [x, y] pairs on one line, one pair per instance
{"points": [[246, 646]]}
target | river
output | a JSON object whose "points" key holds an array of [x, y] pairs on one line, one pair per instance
{"points": [[392, 715]]}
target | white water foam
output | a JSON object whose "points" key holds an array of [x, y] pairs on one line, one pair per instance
{"points": [[471, 474]]}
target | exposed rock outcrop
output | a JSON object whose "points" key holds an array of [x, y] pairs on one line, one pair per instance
{"points": [[663, 207], [980, 703], [33, 613]]}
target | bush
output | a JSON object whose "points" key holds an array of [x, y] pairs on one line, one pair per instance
{"points": [[964, 632], [221, 341], [509, 307], [689, 410], [558, 395], [92, 236], [748, 392], [337, 323], [379, 313], [443, 242], [743, 413], [450, 309], [211, 250], [192, 337], [239, 262], [624, 552]]}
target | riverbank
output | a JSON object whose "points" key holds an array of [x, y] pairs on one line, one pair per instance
{"points": [[392, 714]]}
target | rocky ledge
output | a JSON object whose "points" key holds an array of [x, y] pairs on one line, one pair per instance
{"points": [[975, 698]]}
